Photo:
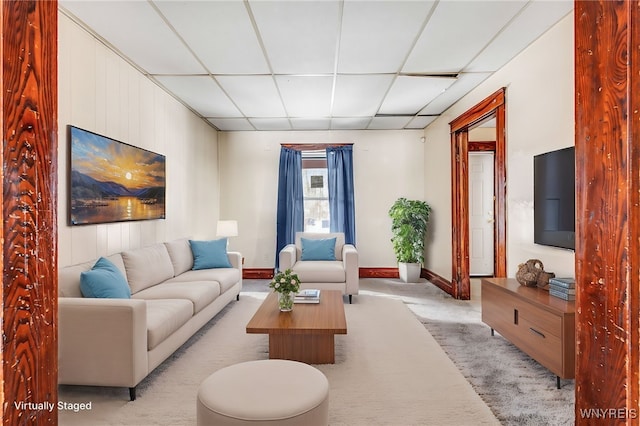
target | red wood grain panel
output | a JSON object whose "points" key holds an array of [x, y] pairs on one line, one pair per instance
{"points": [[29, 203], [607, 36]]}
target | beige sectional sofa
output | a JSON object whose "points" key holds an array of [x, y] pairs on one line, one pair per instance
{"points": [[118, 342]]}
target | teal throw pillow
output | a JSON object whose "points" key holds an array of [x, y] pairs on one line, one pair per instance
{"points": [[210, 254], [318, 249], [104, 280]]}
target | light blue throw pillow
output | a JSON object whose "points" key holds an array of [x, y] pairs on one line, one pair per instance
{"points": [[104, 280], [210, 254], [318, 249]]}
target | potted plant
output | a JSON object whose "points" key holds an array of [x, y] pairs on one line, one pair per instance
{"points": [[409, 220], [286, 284]]}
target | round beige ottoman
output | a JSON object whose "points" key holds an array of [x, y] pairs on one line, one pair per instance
{"points": [[266, 392]]}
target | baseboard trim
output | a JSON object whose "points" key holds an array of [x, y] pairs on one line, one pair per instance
{"points": [[257, 273], [444, 284], [437, 280], [379, 273]]}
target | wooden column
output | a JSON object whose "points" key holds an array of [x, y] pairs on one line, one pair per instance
{"points": [[29, 181], [607, 81]]}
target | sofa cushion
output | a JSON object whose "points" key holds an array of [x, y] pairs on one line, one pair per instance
{"points": [[339, 236], [104, 280], [181, 255], [201, 294], [318, 248], [320, 271], [164, 317], [227, 277], [147, 266], [69, 276], [210, 254]]}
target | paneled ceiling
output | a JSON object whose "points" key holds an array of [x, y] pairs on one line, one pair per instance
{"points": [[318, 65]]}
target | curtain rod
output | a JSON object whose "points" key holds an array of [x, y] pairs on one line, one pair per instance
{"points": [[313, 146]]}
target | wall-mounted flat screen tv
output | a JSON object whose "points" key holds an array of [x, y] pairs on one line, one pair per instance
{"points": [[554, 198], [111, 181]]}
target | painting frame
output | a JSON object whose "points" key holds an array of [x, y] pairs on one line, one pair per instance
{"points": [[112, 181]]}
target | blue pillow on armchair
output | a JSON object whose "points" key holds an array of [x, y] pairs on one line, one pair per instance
{"points": [[104, 280], [318, 249], [210, 254]]}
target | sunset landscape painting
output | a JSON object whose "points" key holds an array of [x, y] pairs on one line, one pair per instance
{"points": [[111, 181]]}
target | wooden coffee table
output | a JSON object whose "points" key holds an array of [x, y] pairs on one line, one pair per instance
{"points": [[304, 334]]}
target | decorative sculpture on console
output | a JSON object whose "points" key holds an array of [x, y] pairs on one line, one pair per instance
{"points": [[532, 274]]}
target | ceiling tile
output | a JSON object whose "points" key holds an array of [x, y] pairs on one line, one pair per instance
{"points": [[409, 94], [202, 93], [465, 83], [300, 36], [256, 96], [348, 123], [306, 96], [376, 36], [456, 32], [136, 30], [535, 19], [270, 123], [220, 33], [359, 95], [421, 121], [389, 123], [310, 123], [231, 123]]}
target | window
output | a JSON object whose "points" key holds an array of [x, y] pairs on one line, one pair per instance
{"points": [[315, 191]]}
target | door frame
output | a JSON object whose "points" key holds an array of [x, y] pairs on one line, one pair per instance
{"points": [[493, 105]]}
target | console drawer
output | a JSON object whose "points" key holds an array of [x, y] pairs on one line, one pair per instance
{"points": [[540, 319]]}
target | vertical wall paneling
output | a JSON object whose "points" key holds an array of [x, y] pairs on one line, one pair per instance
{"points": [[607, 87], [29, 202]]}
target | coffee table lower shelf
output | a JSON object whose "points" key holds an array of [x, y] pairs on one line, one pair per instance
{"points": [[305, 334]]}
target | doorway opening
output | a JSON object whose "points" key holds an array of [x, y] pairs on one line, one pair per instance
{"points": [[491, 108]]}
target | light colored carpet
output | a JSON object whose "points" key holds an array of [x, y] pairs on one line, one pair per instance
{"points": [[388, 371], [517, 388]]}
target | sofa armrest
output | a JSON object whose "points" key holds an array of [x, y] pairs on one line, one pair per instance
{"points": [[287, 257], [102, 342], [235, 258], [351, 267]]}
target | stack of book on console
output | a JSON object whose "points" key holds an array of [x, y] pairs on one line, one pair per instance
{"points": [[564, 288], [310, 295]]}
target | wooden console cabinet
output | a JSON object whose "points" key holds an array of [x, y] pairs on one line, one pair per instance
{"points": [[541, 325]]}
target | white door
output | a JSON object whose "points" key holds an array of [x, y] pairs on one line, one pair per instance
{"points": [[481, 215]]}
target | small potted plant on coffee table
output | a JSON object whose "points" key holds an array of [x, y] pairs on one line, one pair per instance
{"points": [[286, 284]]}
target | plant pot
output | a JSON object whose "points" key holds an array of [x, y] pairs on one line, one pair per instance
{"points": [[285, 302], [409, 272]]}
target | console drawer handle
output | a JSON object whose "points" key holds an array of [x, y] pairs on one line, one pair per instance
{"points": [[537, 332]]}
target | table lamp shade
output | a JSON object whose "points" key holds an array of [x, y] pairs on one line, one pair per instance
{"points": [[227, 228]]}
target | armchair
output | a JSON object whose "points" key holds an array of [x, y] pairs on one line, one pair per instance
{"points": [[339, 272]]}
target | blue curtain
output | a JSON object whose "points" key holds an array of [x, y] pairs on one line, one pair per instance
{"points": [[290, 216], [341, 198]]}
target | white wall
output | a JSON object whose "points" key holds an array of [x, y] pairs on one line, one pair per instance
{"points": [[100, 92], [387, 165], [539, 118]]}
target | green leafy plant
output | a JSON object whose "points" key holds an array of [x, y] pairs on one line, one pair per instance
{"points": [[285, 282], [409, 220]]}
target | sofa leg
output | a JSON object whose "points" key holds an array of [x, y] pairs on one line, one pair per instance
{"points": [[132, 393], [237, 297], [350, 296]]}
